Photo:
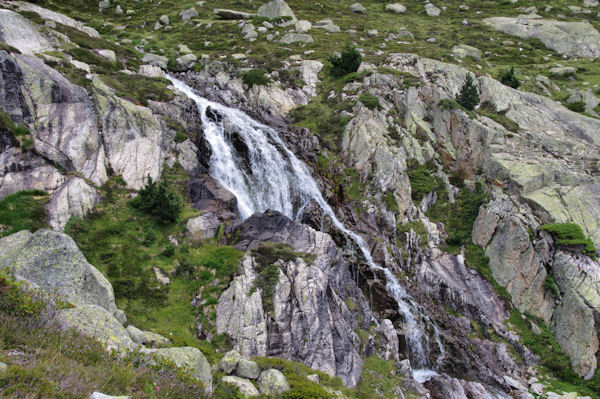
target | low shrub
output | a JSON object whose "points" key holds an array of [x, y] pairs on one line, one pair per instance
{"points": [[157, 200], [369, 100], [578, 106], [422, 181], [347, 62], [24, 210], [508, 78], [255, 77]]}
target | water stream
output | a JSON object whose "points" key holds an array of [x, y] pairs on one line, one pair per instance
{"points": [[271, 177]]}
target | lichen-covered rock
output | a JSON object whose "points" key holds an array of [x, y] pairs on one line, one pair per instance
{"points": [[576, 334], [98, 323], [75, 198], [230, 361], [246, 387], [272, 382], [133, 136], [240, 313], [147, 338], [247, 369], [578, 39], [190, 359], [52, 261], [276, 9], [202, 227], [21, 34]]}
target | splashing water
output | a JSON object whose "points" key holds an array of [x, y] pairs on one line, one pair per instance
{"points": [[271, 177]]}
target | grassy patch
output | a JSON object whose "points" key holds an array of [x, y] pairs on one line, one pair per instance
{"points": [[553, 358], [255, 77], [379, 379], [22, 135], [487, 109], [571, 235], [52, 362], [139, 89], [423, 181], [126, 245], [369, 100], [23, 211]]}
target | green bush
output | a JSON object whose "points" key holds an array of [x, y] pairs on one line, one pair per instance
{"points": [[157, 200], [369, 100], [255, 77], [448, 104], [508, 78], [347, 62], [469, 94], [422, 181]]}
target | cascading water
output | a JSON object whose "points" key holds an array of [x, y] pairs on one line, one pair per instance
{"points": [[271, 177]]}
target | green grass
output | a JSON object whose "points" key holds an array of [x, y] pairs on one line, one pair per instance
{"points": [[486, 109], [551, 355], [255, 77], [379, 378], [23, 210], [369, 100], [21, 135], [569, 235], [423, 181], [139, 89], [126, 244], [53, 362]]}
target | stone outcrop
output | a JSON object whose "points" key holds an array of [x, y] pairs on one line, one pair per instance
{"points": [[51, 260], [187, 358], [276, 9], [21, 34], [578, 39], [310, 321]]}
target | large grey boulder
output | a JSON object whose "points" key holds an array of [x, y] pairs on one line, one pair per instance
{"points": [[188, 358], [186, 62], [156, 60], [276, 9], [188, 14], [94, 321], [247, 369], [232, 14], [51, 260], [230, 361], [272, 382], [74, 198], [18, 32], [203, 226], [578, 39], [249, 31], [395, 8], [463, 51], [290, 38], [245, 386], [54, 16], [586, 97], [327, 25], [432, 10], [147, 338], [303, 26], [358, 8]]}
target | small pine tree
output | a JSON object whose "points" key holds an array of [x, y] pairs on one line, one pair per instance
{"points": [[508, 78], [469, 95], [347, 62], [155, 199]]}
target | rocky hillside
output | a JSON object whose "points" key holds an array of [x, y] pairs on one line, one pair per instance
{"points": [[206, 201]]}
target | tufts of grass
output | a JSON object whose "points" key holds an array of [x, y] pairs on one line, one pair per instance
{"points": [[369, 100], [487, 109], [571, 235], [379, 378], [48, 361], [255, 77], [139, 89], [23, 211], [423, 181]]}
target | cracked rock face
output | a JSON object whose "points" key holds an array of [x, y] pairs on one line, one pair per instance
{"points": [[310, 321]]}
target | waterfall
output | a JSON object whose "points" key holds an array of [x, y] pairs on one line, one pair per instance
{"points": [[273, 178]]}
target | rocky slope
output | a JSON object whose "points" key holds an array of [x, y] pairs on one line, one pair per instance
{"points": [[456, 207]]}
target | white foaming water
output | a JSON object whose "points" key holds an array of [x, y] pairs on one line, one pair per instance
{"points": [[274, 178]]}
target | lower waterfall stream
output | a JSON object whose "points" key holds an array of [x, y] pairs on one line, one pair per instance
{"points": [[273, 178]]}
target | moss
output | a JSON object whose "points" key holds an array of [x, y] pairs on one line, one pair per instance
{"points": [[571, 235], [24, 210], [550, 285], [369, 100]]}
